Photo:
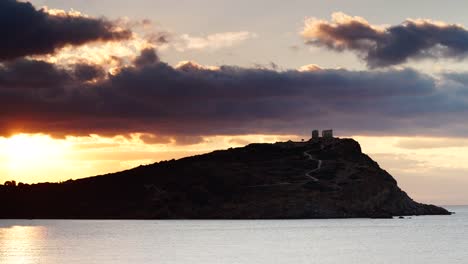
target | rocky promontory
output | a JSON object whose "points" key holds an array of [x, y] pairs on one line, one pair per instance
{"points": [[320, 178]]}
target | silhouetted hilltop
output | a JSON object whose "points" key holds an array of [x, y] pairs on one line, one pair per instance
{"points": [[321, 178]]}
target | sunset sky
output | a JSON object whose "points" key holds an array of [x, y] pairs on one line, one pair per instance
{"points": [[89, 87]]}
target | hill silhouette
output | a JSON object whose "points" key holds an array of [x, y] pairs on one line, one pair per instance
{"points": [[321, 178]]}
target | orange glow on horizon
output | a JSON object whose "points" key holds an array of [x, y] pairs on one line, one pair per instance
{"points": [[33, 158], [421, 165]]}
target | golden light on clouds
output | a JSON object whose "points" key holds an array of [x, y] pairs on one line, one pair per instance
{"points": [[309, 68], [313, 26], [63, 13], [110, 55]]}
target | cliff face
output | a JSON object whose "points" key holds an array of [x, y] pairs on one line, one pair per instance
{"points": [[323, 178]]}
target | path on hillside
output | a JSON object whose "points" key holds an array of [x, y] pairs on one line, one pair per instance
{"points": [[307, 174], [319, 166]]}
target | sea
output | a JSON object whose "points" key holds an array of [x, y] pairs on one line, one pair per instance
{"points": [[422, 239]]}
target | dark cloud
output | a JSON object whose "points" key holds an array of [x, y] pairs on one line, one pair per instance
{"points": [[184, 104], [27, 31], [147, 57], [386, 46], [24, 73], [88, 72]]}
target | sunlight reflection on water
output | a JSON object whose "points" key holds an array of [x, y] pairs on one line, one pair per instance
{"points": [[22, 244]]}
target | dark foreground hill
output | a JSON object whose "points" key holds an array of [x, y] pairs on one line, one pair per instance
{"points": [[323, 178]]}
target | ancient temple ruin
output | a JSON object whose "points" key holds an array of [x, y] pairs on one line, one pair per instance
{"points": [[328, 133], [315, 134]]}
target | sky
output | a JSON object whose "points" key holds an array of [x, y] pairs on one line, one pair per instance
{"points": [[92, 87]]}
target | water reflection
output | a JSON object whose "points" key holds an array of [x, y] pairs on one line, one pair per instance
{"points": [[428, 240], [21, 244]]}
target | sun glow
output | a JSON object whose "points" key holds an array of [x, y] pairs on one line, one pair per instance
{"points": [[33, 149], [30, 154], [27, 148], [32, 158]]}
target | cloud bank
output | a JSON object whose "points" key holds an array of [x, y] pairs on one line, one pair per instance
{"points": [[183, 103], [159, 100], [381, 46], [27, 31]]}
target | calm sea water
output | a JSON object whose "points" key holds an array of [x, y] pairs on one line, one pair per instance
{"points": [[427, 239]]}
